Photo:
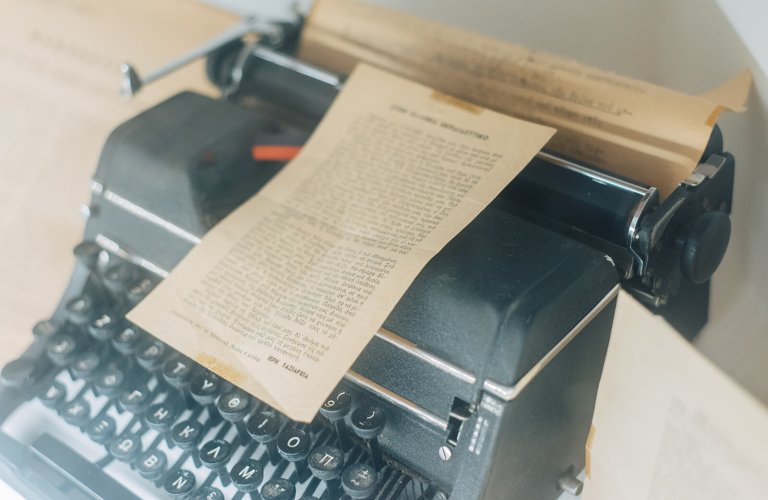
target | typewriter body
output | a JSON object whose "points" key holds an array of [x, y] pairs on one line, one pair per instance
{"points": [[482, 380]]}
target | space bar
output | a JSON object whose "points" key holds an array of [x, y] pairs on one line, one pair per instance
{"points": [[86, 476]]}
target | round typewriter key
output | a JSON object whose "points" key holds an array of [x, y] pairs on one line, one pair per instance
{"points": [[139, 290], [246, 475], [326, 462], [177, 371], [53, 395], [186, 434], [160, 416], [204, 387], [208, 493], [337, 406], [293, 444], [118, 276], [234, 405], [85, 365], [110, 382], [61, 348], [359, 480], [44, 329], [103, 327], [215, 453], [76, 412], [80, 310], [135, 400], [125, 447], [368, 421], [101, 429], [151, 464], [278, 489], [179, 483], [151, 355], [128, 340], [335, 409], [87, 253], [19, 373], [263, 426]]}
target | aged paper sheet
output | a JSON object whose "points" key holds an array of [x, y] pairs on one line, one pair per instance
{"points": [[283, 295], [668, 424], [59, 63], [641, 131]]}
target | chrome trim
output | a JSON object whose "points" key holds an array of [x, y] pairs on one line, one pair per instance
{"points": [[148, 216], [510, 392], [114, 247], [632, 232], [396, 400], [593, 174], [436, 361], [297, 65]]}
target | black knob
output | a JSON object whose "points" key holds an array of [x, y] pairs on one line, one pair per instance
{"points": [[101, 429], [151, 464], [246, 475], [705, 246], [326, 462], [278, 489], [359, 480], [179, 483]]}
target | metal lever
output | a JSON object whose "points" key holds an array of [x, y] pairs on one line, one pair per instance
{"points": [[131, 82]]}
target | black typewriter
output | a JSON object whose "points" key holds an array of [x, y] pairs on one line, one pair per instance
{"points": [[480, 384]]}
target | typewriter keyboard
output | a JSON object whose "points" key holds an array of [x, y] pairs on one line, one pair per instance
{"points": [[122, 414]]}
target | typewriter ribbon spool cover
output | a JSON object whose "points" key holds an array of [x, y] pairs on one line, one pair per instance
{"points": [[282, 296], [635, 129]]}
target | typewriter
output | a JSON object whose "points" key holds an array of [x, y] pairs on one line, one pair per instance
{"points": [[480, 384]]}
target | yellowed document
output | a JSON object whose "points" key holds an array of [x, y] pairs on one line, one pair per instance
{"points": [[642, 131], [283, 295], [59, 67], [668, 424]]}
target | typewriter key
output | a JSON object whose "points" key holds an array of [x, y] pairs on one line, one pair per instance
{"points": [[215, 454], [80, 310], [76, 412], [185, 435], [335, 409], [110, 382], [160, 416], [179, 483], [151, 355], [327, 463], [264, 427], [135, 400], [117, 277], [246, 475], [293, 444], [367, 422], [125, 447], [54, 395], [103, 327], [87, 253], [204, 387], [234, 407], [177, 371], [278, 489], [44, 329], [61, 349], [151, 464], [128, 340], [359, 481], [85, 365], [101, 429]]}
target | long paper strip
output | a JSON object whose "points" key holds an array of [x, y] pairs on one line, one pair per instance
{"points": [[636, 129]]}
